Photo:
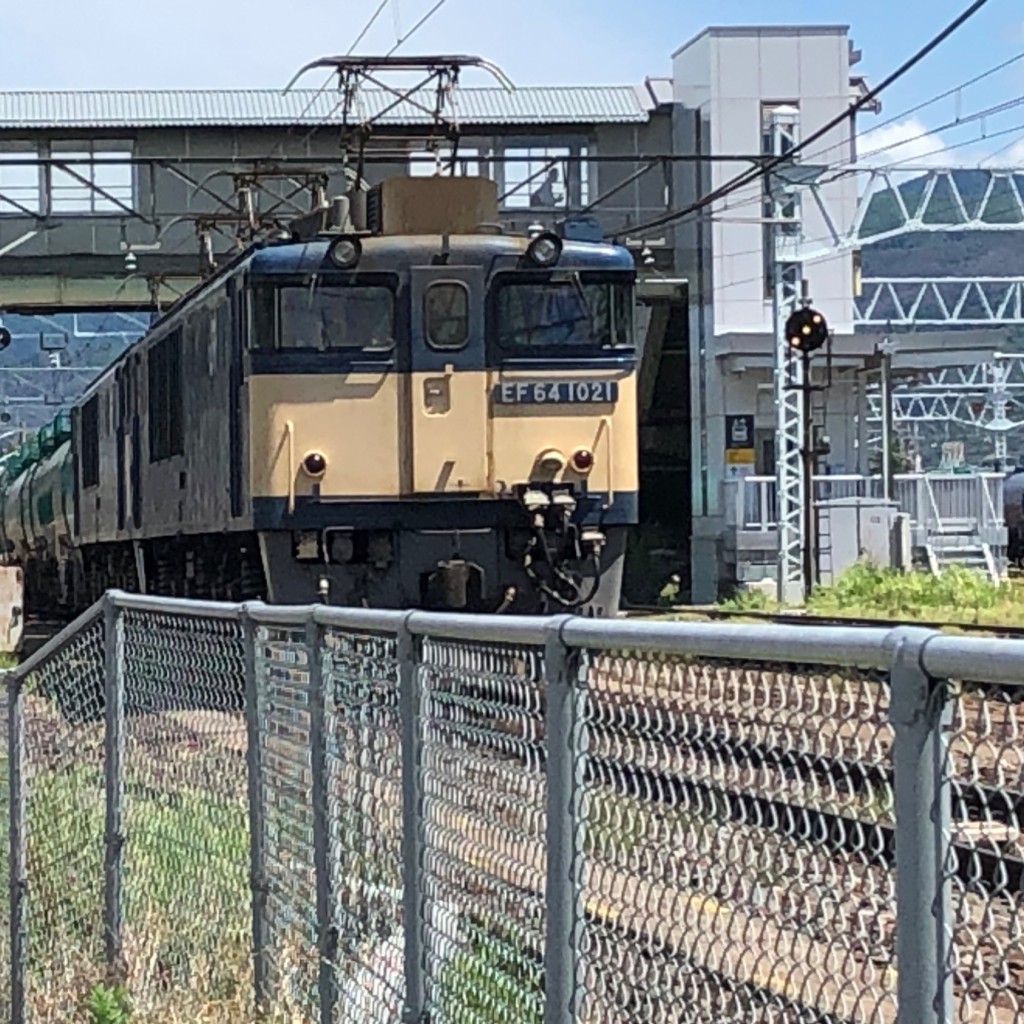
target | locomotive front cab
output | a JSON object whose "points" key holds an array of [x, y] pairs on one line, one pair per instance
{"points": [[443, 419]]}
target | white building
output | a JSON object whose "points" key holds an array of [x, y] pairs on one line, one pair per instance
{"points": [[728, 84]]}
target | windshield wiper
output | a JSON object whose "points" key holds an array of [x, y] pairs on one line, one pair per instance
{"points": [[581, 294]]}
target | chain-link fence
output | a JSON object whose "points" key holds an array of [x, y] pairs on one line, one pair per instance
{"points": [[235, 813]]}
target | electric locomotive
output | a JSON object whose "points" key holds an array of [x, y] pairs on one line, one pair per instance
{"points": [[393, 405]]}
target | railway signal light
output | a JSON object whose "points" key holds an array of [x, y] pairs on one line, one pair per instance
{"points": [[806, 330]]}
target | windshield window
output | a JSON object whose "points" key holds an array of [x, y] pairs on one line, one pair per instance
{"points": [[572, 313], [326, 317]]}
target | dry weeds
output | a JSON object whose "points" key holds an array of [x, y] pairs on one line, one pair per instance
{"points": [[220, 991]]}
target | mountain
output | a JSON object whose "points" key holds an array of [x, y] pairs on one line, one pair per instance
{"points": [[947, 253]]}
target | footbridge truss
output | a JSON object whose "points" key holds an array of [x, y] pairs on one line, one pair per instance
{"points": [[988, 396], [893, 203]]}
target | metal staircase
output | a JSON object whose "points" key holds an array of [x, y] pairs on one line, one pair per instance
{"points": [[959, 543]]}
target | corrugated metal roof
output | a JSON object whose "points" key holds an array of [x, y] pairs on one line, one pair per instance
{"points": [[247, 107]]}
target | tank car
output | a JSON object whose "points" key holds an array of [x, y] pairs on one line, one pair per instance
{"points": [[35, 514], [1013, 512], [415, 411]]}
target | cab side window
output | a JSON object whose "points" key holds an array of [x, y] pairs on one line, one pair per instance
{"points": [[446, 315]]}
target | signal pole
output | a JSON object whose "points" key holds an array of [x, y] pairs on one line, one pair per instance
{"points": [[810, 531], [795, 454], [806, 331], [782, 206]]}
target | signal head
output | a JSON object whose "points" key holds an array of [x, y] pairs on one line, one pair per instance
{"points": [[806, 330]]}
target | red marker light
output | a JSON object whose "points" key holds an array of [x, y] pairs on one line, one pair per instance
{"points": [[314, 464], [582, 460]]}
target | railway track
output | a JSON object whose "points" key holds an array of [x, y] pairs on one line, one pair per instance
{"points": [[874, 841], [618, 719], [38, 630], [802, 619]]}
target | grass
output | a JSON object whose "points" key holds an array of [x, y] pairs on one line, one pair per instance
{"points": [[186, 901], [495, 979], [958, 596], [185, 897], [185, 880]]}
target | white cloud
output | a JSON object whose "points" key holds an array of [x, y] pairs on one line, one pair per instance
{"points": [[1014, 155], [910, 144]]}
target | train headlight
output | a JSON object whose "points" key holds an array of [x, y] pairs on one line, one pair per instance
{"points": [[582, 460], [551, 460], [315, 464], [544, 250], [345, 252]]}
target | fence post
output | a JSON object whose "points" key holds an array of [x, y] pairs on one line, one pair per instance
{"points": [[412, 824], [327, 932], [562, 888], [257, 862], [113, 864], [919, 710], [16, 849]]}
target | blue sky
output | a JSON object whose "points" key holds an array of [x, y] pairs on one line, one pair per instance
{"points": [[210, 43]]}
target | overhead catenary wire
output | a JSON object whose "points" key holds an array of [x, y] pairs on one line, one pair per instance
{"points": [[402, 40], [650, 162], [895, 164], [918, 107], [753, 174], [846, 167], [398, 43], [977, 115], [1002, 149], [366, 28], [747, 177], [370, 22]]}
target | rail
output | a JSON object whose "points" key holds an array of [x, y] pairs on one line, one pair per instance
{"points": [[935, 502], [320, 813]]}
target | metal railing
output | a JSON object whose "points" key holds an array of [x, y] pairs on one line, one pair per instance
{"points": [[936, 502], [245, 812]]}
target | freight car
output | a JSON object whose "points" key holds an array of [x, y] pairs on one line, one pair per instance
{"points": [[409, 409], [1013, 512], [35, 513]]}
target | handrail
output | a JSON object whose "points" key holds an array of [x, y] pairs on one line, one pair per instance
{"points": [[289, 429], [933, 500]]}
